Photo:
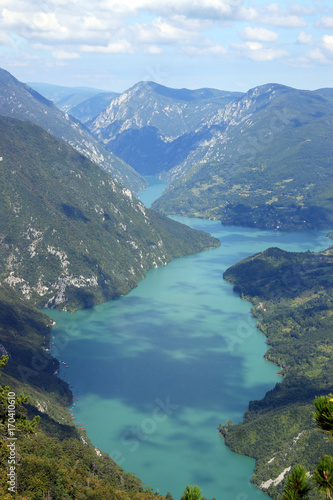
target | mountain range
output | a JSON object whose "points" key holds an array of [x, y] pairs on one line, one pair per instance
{"points": [[73, 234], [20, 101], [84, 103], [153, 127], [260, 158], [267, 163]]}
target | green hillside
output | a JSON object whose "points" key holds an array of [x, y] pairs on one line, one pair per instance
{"points": [[18, 100], [71, 236], [292, 296], [269, 167]]}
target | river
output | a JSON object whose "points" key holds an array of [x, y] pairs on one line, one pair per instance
{"points": [[157, 370]]}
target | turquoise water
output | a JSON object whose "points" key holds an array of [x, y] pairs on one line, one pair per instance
{"points": [[157, 370], [153, 191]]}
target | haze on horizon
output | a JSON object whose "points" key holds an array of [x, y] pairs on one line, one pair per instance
{"points": [[226, 44]]}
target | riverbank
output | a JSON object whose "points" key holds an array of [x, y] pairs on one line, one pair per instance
{"points": [[296, 290]]}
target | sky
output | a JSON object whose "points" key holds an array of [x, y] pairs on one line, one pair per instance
{"points": [[223, 44]]}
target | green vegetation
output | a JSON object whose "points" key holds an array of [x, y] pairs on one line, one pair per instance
{"points": [[55, 459], [71, 236], [265, 163], [18, 100], [25, 336], [298, 484], [71, 469], [192, 492], [292, 296]]}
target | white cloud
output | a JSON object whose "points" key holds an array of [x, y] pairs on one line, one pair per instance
{"points": [[305, 38], [301, 10], [253, 45], [284, 21], [4, 38], [47, 22], [12, 19], [247, 14], [259, 34], [199, 9], [93, 23], [264, 55], [63, 54], [213, 50], [121, 47], [328, 42], [257, 52], [325, 23], [317, 55], [42, 46], [272, 14], [70, 29], [154, 49], [176, 30]]}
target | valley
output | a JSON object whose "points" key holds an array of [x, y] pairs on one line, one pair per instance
{"points": [[240, 188]]}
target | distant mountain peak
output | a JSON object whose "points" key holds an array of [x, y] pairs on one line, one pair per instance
{"points": [[18, 100], [144, 123]]}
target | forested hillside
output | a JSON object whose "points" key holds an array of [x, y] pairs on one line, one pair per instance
{"points": [[264, 161], [71, 236], [292, 296]]}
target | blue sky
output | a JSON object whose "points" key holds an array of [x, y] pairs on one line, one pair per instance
{"points": [[113, 44]]}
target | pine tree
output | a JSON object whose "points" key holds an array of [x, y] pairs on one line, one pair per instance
{"points": [[323, 476], [192, 492], [297, 484]]}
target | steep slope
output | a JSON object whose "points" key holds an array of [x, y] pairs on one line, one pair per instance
{"points": [[292, 296], [267, 163], [88, 110], [18, 100], [152, 127], [24, 337], [58, 457], [70, 235]]}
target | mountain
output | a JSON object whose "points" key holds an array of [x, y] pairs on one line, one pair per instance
{"points": [[84, 103], [89, 109], [326, 92], [71, 236], [153, 127], [292, 296], [20, 101], [66, 98], [264, 160]]}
